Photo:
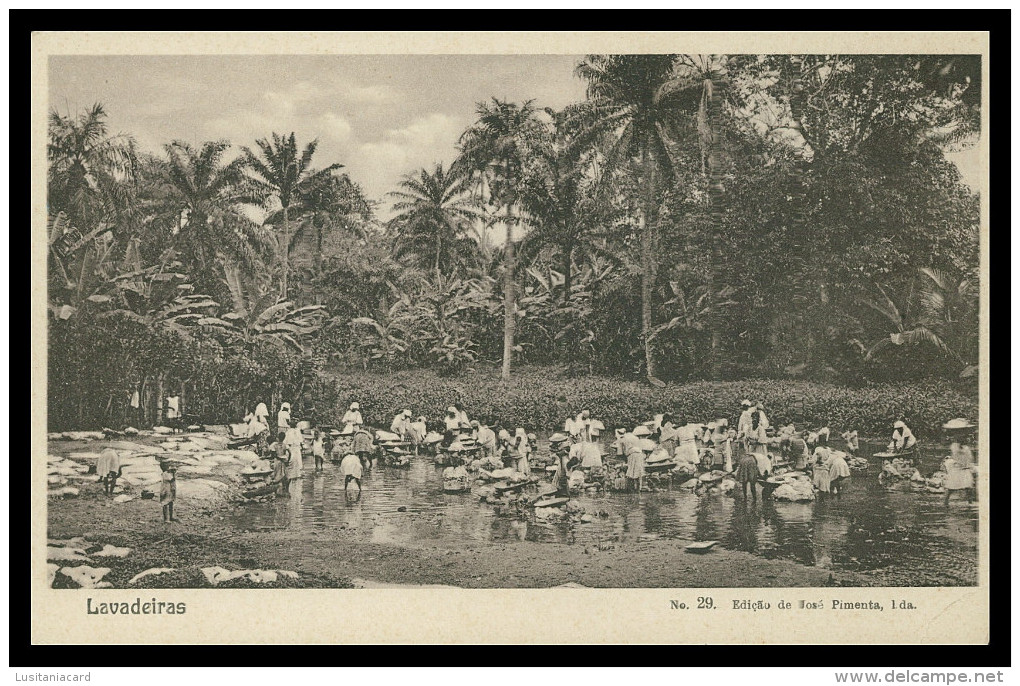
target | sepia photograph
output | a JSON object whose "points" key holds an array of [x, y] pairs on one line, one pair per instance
{"points": [[668, 318]]}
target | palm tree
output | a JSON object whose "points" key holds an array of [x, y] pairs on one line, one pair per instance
{"points": [[632, 109], [561, 207], [701, 85], [942, 313], [328, 204], [280, 172], [497, 148], [203, 194], [435, 218], [86, 167]]}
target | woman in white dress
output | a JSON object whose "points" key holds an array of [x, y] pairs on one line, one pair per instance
{"points": [[352, 418], [960, 465]]}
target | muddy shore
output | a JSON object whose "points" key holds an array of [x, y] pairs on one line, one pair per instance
{"points": [[334, 558]]}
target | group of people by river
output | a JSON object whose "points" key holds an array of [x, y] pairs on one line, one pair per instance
{"points": [[750, 451]]}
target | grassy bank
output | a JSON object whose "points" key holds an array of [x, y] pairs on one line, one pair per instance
{"points": [[540, 398]]}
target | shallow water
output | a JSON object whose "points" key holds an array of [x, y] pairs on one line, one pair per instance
{"points": [[898, 538]]}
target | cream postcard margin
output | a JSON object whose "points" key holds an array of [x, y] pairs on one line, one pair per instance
{"points": [[943, 615]]}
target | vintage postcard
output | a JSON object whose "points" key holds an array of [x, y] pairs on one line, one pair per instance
{"points": [[415, 338]]}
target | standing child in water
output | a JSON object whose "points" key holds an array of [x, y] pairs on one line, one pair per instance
{"points": [[168, 492], [318, 450]]}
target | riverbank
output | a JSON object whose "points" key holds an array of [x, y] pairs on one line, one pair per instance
{"points": [[333, 558], [405, 529]]}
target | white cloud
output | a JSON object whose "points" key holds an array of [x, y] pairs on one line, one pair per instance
{"points": [[421, 143], [370, 95], [334, 127]]}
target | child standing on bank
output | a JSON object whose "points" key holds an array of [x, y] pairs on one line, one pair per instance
{"points": [[168, 492]]}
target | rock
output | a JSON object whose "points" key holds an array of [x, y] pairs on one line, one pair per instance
{"points": [[123, 498], [112, 551], [55, 479], [162, 430], [402, 508], [85, 576], [573, 507], [149, 572], [691, 483], [217, 575], [51, 573], [76, 542], [65, 492], [66, 554], [130, 431], [54, 436], [83, 435], [587, 518]]}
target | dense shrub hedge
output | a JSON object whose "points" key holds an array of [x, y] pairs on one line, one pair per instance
{"points": [[541, 398]]}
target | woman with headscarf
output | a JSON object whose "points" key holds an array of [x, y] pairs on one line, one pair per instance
{"points": [[484, 437], [293, 440], [902, 438], [852, 443], [262, 413], [686, 443], [758, 440], [582, 425], [462, 417], [401, 424], [959, 465], [668, 435], [352, 417], [417, 431], [283, 417], [820, 471], [722, 457], [631, 446]]}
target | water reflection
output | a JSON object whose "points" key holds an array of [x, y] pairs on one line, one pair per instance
{"points": [[900, 537]]}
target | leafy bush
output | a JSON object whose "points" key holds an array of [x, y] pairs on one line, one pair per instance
{"points": [[541, 398]]}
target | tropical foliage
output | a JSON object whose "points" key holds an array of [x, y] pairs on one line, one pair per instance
{"points": [[696, 217]]}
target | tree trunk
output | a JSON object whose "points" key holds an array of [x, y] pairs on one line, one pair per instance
{"points": [[159, 399], [648, 266], [285, 253], [318, 264], [566, 274], [508, 296]]}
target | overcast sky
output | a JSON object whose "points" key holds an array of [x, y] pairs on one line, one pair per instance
{"points": [[380, 115]]}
